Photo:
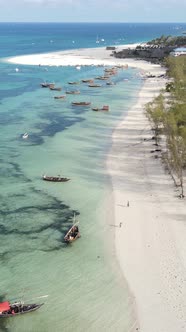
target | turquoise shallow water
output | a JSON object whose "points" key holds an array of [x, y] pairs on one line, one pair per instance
{"points": [[86, 290], [83, 282]]}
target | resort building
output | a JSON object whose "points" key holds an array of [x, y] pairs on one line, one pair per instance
{"points": [[179, 51]]}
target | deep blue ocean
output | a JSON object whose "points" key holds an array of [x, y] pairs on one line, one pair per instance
{"points": [[26, 38], [82, 285]]}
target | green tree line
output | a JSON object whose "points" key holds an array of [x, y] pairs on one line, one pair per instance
{"points": [[167, 114], [176, 41]]}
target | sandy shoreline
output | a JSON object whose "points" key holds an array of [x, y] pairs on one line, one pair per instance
{"points": [[150, 244]]}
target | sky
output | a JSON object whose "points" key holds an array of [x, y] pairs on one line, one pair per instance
{"points": [[93, 11]]}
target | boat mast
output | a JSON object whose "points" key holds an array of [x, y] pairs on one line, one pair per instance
{"points": [[74, 219]]}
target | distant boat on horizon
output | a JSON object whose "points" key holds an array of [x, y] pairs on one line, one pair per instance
{"points": [[98, 40]]}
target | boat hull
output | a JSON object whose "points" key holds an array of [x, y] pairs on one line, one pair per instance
{"points": [[72, 240], [59, 97], [21, 309], [55, 179], [81, 103], [72, 235]]}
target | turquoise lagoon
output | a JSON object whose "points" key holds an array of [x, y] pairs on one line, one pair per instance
{"points": [[82, 285], [86, 290]]}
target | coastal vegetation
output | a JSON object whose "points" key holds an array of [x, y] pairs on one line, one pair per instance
{"points": [[176, 41], [167, 114]]}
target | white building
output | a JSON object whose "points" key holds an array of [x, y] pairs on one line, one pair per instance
{"points": [[179, 51]]}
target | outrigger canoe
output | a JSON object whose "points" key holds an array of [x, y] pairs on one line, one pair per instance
{"points": [[55, 178], [81, 103]]}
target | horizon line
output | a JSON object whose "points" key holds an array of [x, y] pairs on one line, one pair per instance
{"points": [[100, 22]]}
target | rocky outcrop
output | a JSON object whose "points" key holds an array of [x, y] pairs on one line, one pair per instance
{"points": [[154, 54], [155, 50]]}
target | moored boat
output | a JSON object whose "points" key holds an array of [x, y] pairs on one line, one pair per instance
{"points": [[25, 136], [55, 178], [104, 108], [47, 85], [73, 233], [8, 309], [73, 92], [59, 97], [81, 103], [96, 109], [110, 83], [55, 88], [111, 71], [102, 78], [73, 82], [89, 80], [94, 85]]}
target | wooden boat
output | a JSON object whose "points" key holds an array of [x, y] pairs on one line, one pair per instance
{"points": [[59, 97], [104, 108], [55, 178], [110, 83], [90, 80], [73, 92], [102, 78], [8, 309], [94, 85], [111, 71], [54, 88], [73, 233], [96, 109], [47, 85], [107, 70], [81, 103], [73, 82]]}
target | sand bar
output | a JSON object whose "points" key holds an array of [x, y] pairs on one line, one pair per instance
{"points": [[150, 244], [80, 57]]}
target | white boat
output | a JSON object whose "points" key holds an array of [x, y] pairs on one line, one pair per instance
{"points": [[25, 135], [97, 40]]}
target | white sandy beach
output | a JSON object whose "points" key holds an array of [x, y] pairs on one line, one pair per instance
{"points": [[150, 244], [80, 57]]}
